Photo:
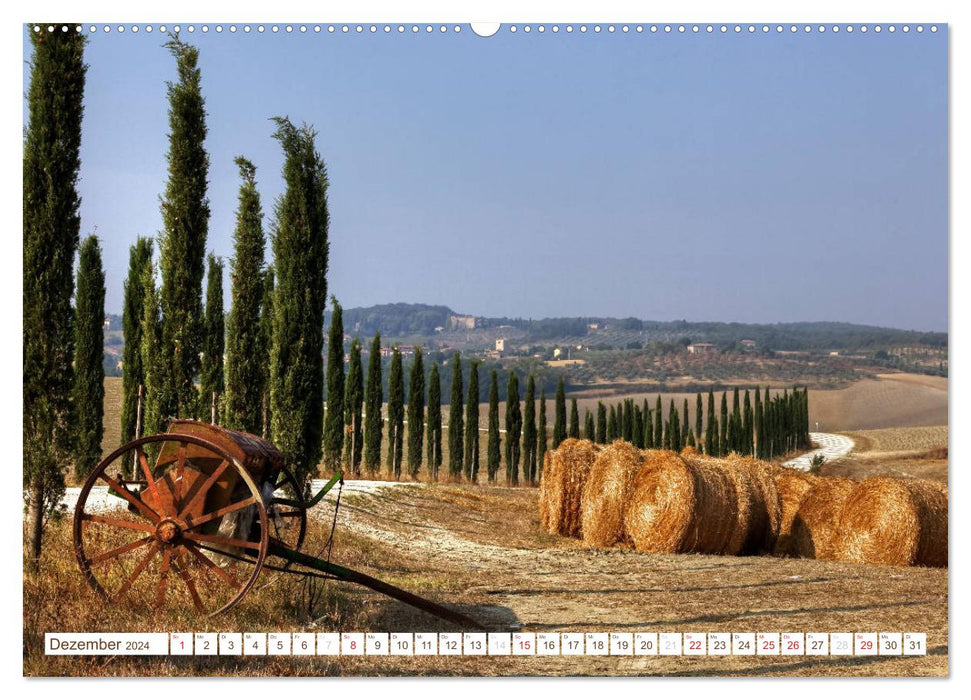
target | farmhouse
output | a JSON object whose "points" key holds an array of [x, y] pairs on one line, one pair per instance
{"points": [[702, 349]]}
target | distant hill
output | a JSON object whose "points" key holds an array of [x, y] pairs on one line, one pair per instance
{"points": [[417, 320]]}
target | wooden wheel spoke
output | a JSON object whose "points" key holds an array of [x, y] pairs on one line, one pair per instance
{"points": [[118, 551], [129, 524], [138, 570], [179, 473], [201, 491], [232, 507], [183, 573], [213, 566], [147, 471], [131, 498], [224, 541], [163, 578]]}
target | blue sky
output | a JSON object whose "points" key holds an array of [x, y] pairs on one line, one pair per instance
{"points": [[755, 178]]}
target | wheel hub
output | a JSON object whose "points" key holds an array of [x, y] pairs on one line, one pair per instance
{"points": [[168, 531]]}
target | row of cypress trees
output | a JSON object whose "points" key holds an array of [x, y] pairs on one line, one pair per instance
{"points": [[766, 428]]}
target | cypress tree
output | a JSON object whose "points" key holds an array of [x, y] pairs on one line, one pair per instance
{"points": [[648, 428], [456, 427], [185, 224], [601, 423], [685, 425], [612, 433], [723, 446], [759, 427], [396, 414], [619, 430], [51, 224], [434, 423], [628, 426], [133, 373], [541, 434], [300, 252], [574, 420], [529, 431], [353, 409], [658, 424], [514, 425], [736, 423], [416, 414], [675, 428], [589, 429], [493, 452], [698, 421], [747, 440], [373, 424], [151, 350], [711, 431], [89, 372], [334, 418], [245, 349], [638, 428], [472, 425], [559, 420], [266, 337], [214, 343]]}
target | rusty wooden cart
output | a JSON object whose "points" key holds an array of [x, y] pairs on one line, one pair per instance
{"points": [[211, 508]]}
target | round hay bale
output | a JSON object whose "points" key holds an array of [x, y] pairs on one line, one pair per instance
{"points": [[814, 527], [897, 522], [792, 486], [681, 506], [763, 503], [605, 495], [564, 473]]}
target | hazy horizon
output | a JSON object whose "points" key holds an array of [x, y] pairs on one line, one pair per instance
{"points": [[734, 178]]}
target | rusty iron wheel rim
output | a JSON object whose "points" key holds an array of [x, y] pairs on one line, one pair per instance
{"points": [[167, 534]]}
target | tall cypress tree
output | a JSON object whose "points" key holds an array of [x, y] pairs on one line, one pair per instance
{"points": [[541, 435], [514, 425], [456, 427], [266, 337], [612, 432], [243, 402], [472, 425], [396, 414], [89, 372], [493, 452], [214, 343], [529, 431], [373, 423], [711, 430], [559, 419], [334, 417], [353, 409], [300, 248], [736, 423], [648, 428], [152, 363], [133, 373], [723, 447], [675, 440], [185, 225], [601, 423], [434, 424], [589, 429], [685, 423], [638, 427], [574, 420], [51, 221], [416, 414], [759, 426], [698, 419], [658, 424], [747, 425]]}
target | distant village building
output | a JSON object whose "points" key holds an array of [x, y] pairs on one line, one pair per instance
{"points": [[593, 326], [834, 353], [748, 344], [463, 322], [439, 329], [500, 344], [702, 349], [556, 353]]}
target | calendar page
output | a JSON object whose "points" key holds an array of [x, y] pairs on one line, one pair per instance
{"points": [[524, 348]]}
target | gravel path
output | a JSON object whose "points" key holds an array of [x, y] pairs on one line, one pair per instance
{"points": [[831, 446]]}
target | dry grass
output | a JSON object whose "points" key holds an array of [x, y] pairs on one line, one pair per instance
{"points": [[897, 522], [901, 439]]}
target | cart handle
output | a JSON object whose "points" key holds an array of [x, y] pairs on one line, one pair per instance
{"points": [[306, 505]]}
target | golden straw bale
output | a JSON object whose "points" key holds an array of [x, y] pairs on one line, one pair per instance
{"points": [[606, 493], [677, 506], [561, 486], [814, 526], [792, 486], [764, 503], [897, 522]]}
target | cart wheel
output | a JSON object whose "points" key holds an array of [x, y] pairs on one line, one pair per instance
{"points": [[288, 524], [193, 532]]}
